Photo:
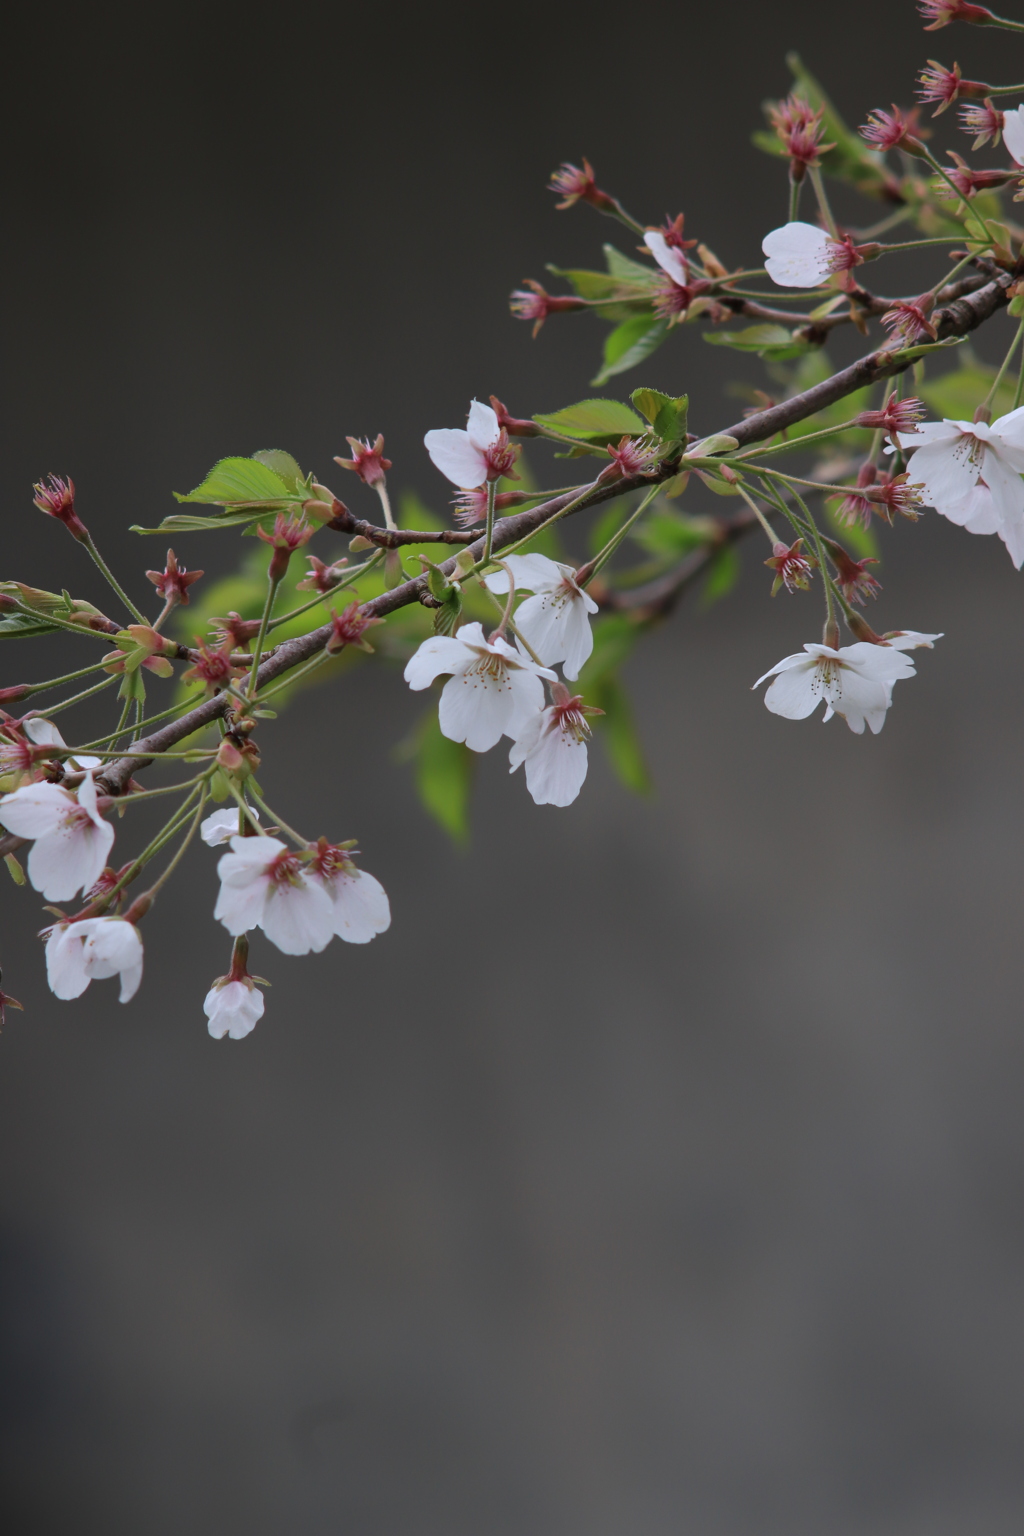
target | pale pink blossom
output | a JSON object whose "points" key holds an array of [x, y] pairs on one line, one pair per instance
{"points": [[473, 454], [555, 621], [360, 902], [1013, 133], [233, 1008], [222, 826], [553, 746], [71, 840], [91, 950], [854, 681], [263, 884], [970, 471], [492, 689]]}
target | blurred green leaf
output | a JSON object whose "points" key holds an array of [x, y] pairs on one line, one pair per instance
{"points": [[615, 635], [444, 776], [956, 394], [630, 344], [625, 267], [723, 573], [191, 522], [618, 734], [593, 421], [669, 534], [766, 340]]}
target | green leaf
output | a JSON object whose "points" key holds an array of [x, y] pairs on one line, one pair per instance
{"points": [[723, 572], [667, 415], [188, 522], [247, 481], [668, 534], [594, 421], [629, 344], [625, 267], [957, 393], [23, 626], [444, 777], [618, 735], [283, 465], [624, 297], [766, 340]]}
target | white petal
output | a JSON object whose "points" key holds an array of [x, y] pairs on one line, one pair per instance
{"points": [[879, 663], [1013, 537], [114, 947], [298, 918], [528, 700], [579, 640], [798, 255], [43, 732], [534, 573], [1013, 133], [69, 860], [66, 974], [668, 257], [527, 737], [556, 768], [1007, 434], [438, 654], [912, 640], [794, 694], [361, 906], [1006, 486], [222, 826], [948, 472], [476, 707], [482, 427], [929, 432], [35, 809], [233, 1009], [857, 697], [787, 664], [454, 455], [541, 622]]}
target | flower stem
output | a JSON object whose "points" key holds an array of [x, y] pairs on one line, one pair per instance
{"points": [[76, 698], [296, 837], [90, 544], [820, 551], [492, 491], [321, 597], [1006, 363], [257, 655], [175, 709], [792, 443], [246, 811], [382, 492], [616, 539], [292, 677], [166, 874], [507, 622], [818, 184], [794, 198], [69, 677], [960, 200]]}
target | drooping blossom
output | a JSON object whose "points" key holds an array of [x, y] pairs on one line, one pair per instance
{"points": [[367, 461], [791, 566], [855, 506], [937, 83], [222, 826], [92, 950], [538, 304], [555, 620], [233, 1008], [360, 903], [853, 578], [800, 255], [263, 884], [1013, 133], [675, 297], [970, 471], [853, 680], [571, 184], [939, 13], [553, 746], [985, 122], [287, 535], [470, 456], [71, 840], [492, 689], [895, 493], [174, 580]]}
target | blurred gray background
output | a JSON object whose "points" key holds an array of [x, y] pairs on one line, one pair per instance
{"points": [[660, 1170]]}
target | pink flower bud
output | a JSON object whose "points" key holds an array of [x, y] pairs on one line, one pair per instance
{"points": [[173, 581], [349, 627], [855, 581], [939, 13], [573, 185], [287, 535], [56, 497], [539, 304], [909, 321], [937, 83], [892, 130], [633, 456], [368, 462]]}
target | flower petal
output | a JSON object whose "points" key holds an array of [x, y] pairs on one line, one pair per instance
{"points": [[476, 706], [454, 455], [361, 906], [36, 809], [798, 255], [668, 257], [482, 427], [298, 918], [66, 974]]}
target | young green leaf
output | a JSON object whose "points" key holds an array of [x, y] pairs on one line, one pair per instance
{"points": [[593, 421], [444, 777], [723, 573], [766, 340], [629, 344], [242, 481]]}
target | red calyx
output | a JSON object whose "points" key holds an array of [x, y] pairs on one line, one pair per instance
{"points": [[367, 461], [56, 497], [539, 304], [174, 580]]}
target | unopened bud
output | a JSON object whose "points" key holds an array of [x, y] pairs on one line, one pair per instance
{"points": [[862, 629], [359, 543], [14, 869], [139, 907], [830, 635], [12, 695]]}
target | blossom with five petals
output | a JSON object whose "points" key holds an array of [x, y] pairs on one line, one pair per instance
{"points": [[71, 838], [554, 622], [970, 471], [492, 690], [553, 745], [91, 950], [264, 885], [360, 902], [855, 681], [473, 454]]}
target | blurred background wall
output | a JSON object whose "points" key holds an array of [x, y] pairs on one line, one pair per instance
{"points": [[660, 1170]]}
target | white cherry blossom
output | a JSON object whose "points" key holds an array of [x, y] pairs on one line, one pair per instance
{"points": [[71, 839], [265, 885], [45, 734], [91, 950], [798, 255], [233, 1008], [492, 690], [360, 902], [911, 640], [553, 746], [222, 826], [855, 681], [554, 622], [1013, 133], [470, 455], [970, 471]]}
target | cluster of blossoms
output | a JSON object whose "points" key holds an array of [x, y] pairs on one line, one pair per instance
{"points": [[500, 680]]}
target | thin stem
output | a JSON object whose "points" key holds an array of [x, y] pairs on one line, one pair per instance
{"points": [[382, 492], [554, 518], [321, 597], [765, 524], [616, 539], [506, 621], [961, 200], [245, 810], [166, 832], [792, 443], [122, 724], [795, 188], [172, 866], [293, 677], [76, 698], [818, 184], [952, 273], [169, 605], [296, 837], [914, 245], [257, 655], [90, 544], [166, 789], [1006, 363], [820, 551], [492, 491], [175, 709], [69, 677]]}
